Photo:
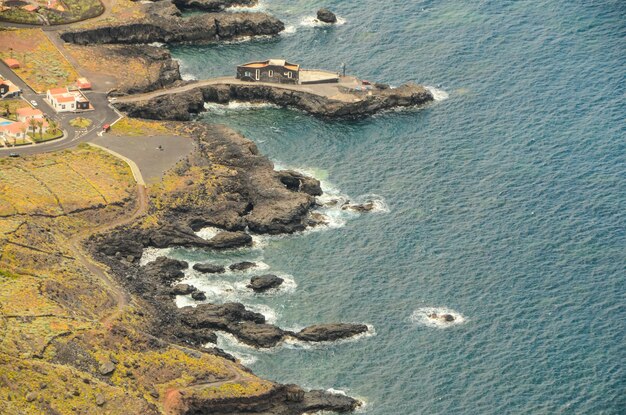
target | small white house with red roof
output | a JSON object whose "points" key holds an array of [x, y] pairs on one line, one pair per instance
{"points": [[64, 100]]}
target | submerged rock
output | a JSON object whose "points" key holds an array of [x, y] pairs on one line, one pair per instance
{"points": [[448, 318], [330, 332], [209, 268], [362, 207], [242, 266], [326, 16], [262, 283]]}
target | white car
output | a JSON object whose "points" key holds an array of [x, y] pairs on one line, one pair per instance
{"points": [[33, 103]]}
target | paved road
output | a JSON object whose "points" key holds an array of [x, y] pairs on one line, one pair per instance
{"points": [[103, 114]]}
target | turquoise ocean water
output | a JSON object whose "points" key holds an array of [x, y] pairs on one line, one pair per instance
{"points": [[504, 203]]}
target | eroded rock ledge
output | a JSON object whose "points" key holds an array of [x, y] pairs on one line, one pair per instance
{"points": [[183, 105], [165, 24]]}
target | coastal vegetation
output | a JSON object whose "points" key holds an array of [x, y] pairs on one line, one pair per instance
{"points": [[58, 13], [69, 341], [80, 122], [42, 66]]}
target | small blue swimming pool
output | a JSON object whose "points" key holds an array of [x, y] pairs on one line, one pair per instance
{"points": [[5, 122]]}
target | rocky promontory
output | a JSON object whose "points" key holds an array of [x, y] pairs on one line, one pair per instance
{"points": [[212, 5], [177, 104]]}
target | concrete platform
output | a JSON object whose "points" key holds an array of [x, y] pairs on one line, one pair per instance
{"points": [[144, 151]]}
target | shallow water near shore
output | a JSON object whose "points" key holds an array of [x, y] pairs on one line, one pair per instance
{"points": [[504, 200]]}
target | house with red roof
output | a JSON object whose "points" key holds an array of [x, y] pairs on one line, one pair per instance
{"points": [[27, 113], [14, 130], [64, 100]]}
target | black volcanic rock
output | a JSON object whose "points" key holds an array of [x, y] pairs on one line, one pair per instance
{"points": [[169, 235], [330, 332], [165, 269], [262, 283], [209, 268], [257, 335], [181, 105], [182, 289], [229, 240], [326, 16], [165, 25], [198, 296], [298, 182], [242, 266], [214, 316], [212, 5]]}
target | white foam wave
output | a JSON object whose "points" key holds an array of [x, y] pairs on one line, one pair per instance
{"points": [[311, 21], [231, 345], [208, 232], [150, 254], [289, 30], [271, 315], [422, 316], [258, 7], [222, 109], [438, 94]]}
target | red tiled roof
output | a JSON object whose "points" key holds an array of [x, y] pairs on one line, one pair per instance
{"points": [[63, 98], [57, 91], [28, 112], [12, 63], [14, 128]]}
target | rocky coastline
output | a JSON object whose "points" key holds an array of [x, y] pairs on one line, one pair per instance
{"points": [[251, 196], [182, 106], [164, 23]]}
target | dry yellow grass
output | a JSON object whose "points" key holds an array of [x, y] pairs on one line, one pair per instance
{"points": [[134, 127], [58, 183], [129, 72], [51, 305], [42, 65]]}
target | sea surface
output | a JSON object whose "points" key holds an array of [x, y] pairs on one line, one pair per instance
{"points": [[503, 203]]}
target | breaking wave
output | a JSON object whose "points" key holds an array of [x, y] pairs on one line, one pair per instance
{"points": [[221, 109], [311, 21], [422, 317], [438, 94]]}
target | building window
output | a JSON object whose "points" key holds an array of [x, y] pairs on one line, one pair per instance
{"points": [[247, 73], [289, 75], [270, 73], [63, 106]]}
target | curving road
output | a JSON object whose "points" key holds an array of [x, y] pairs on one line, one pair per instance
{"points": [[103, 114]]}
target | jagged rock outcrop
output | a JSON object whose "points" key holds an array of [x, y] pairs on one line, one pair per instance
{"points": [[299, 182], [261, 283], [326, 16], [182, 289], [209, 268], [242, 266], [330, 332], [167, 27], [229, 240], [165, 269], [182, 105]]}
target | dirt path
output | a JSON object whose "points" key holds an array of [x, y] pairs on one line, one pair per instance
{"points": [[122, 298]]}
